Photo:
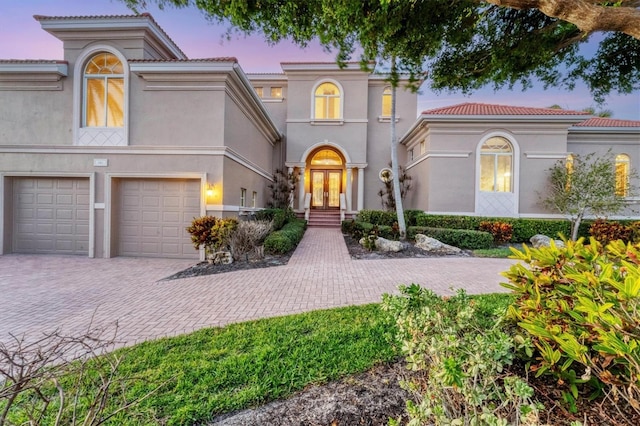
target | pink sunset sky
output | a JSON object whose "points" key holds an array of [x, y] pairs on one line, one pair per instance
{"points": [[22, 38]]}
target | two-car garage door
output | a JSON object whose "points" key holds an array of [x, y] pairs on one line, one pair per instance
{"points": [[50, 215]]}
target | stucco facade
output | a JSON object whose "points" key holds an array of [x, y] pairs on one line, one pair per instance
{"points": [[113, 149]]}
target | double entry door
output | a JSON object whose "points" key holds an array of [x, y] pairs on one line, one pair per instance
{"points": [[325, 189]]}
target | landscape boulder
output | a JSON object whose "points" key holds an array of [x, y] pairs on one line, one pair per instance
{"points": [[540, 240], [382, 244], [434, 246]]}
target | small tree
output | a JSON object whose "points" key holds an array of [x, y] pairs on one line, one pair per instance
{"points": [[283, 189], [585, 186], [387, 194]]}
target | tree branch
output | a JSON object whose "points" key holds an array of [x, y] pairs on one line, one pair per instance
{"points": [[588, 16]]}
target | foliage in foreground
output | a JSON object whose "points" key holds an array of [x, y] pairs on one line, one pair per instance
{"points": [[219, 370], [462, 351], [580, 305]]}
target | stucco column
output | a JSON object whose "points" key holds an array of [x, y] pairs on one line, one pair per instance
{"points": [[360, 188], [291, 194], [349, 189], [301, 190]]}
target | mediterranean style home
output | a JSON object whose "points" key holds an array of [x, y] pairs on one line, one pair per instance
{"points": [[113, 149]]}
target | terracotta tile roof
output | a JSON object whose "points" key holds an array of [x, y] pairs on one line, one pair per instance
{"points": [[144, 15], [32, 61], [471, 108], [220, 59], [608, 122]]}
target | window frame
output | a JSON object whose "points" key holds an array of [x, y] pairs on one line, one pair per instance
{"points": [[386, 92], [623, 160], [495, 171], [105, 78], [88, 136], [243, 197], [340, 118]]}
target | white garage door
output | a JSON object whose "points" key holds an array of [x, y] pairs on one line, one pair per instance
{"points": [[153, 215], [51, 215]]}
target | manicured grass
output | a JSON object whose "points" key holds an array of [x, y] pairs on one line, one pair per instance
{"points": [[501, 252], [218, 370]]}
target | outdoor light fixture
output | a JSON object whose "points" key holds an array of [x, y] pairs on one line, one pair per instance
{"points": [[211, 191]]}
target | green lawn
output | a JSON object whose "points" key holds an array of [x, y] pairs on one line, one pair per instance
{"points": [[502, 252], [219, 370]]}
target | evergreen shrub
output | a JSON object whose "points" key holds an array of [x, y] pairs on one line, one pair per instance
{"points": [[462, 238]]}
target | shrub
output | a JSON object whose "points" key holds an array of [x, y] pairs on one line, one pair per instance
{"points": [[211, 232], [248, 237], [377, 217], [580, 305], [358, 230], [410, 217], [468, 240], [462, 359], [286, 239], [279, 217], [501, 232], [605, 231]]}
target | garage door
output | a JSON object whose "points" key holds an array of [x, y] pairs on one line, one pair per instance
{"points": [[51, 215], [153, 214]]}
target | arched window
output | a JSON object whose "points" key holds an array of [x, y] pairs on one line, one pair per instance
{"points": [[496, 165], [386, 102], [623, 165], [327, 102], [326, 157], [103, 92]]}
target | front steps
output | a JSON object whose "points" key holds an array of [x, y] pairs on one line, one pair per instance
{"points": [[324, 218]]}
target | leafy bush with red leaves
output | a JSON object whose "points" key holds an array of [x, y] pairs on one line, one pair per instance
{"points": [[604, 231], [501, 231]]}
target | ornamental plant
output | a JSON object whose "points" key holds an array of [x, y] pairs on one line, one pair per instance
{"points": [[460, 362], [211, 232], [605, 231], [580, 306], [500, 231]]}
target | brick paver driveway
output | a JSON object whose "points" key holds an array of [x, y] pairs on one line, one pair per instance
{"points": [[43, 293]]}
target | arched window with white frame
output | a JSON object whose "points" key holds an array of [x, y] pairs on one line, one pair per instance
{"points": [[103, 91], [623, 167], [496, 165], [327, 102]]}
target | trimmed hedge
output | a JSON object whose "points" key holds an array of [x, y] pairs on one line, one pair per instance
{"points": [[359, 229], [387, 218], [462, 238], [523, 229], [286, 239]]}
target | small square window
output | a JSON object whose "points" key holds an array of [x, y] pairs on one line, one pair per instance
{"points": [[259, 91], [411, 154], [254, 199], [276, 92], [243, 197]]}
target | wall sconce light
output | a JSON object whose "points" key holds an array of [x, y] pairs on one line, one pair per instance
{"points": [[211, 192]]}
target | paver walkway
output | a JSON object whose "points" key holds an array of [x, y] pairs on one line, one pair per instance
{"points": [[42, 293]]}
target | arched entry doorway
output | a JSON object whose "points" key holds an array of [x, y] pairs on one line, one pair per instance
{"points": [[326, 166]]}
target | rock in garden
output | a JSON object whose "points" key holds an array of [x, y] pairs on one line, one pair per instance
{"points": [[540, 240], [382, 244], [434, 246]]}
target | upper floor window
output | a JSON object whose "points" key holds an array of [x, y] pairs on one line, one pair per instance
{"points": [[496, 165], [386, 102], [259, 91], [623, 164], [276, 92], [103, 90], [327, 102]]}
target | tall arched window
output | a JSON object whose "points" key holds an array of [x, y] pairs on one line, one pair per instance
{"points": [[386, 102], [623, 165], [103, 92], [327, 102], [496, 165]]}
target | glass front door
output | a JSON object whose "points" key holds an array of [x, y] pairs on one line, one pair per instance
{"points": [[325, 188]]}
